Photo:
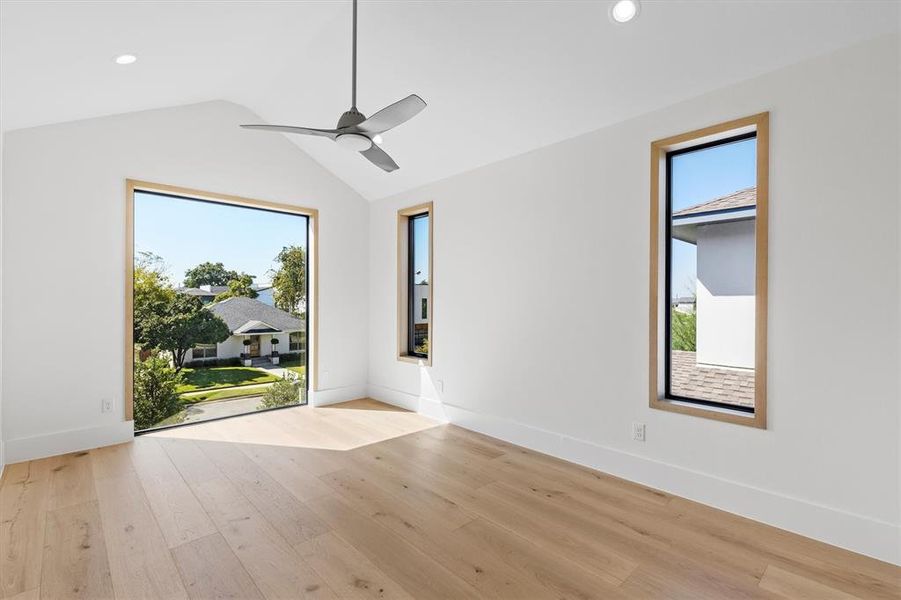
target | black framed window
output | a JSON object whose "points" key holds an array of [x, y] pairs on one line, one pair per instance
{"points": [[710, 253], [418, 262]]}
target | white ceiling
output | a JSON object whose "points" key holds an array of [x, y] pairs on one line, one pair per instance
{"points": [[500, 78]]}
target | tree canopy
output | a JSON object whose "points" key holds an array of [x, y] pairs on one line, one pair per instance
{"points": [[152, 291], [289, 280], [178, 326], [242, 285], [209, 273]]}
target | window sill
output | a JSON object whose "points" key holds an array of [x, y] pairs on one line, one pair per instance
{"points": [[416, 360], [736, 417]]}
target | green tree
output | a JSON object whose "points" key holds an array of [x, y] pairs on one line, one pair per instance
{"points": [[155, 397], [289, 280], [683, 330], [240, 286], [280, 393], [180, 325], [153, 292], [209, 273]]}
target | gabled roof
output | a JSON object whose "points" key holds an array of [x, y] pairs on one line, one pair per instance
{"points": [[256, 327], [745, 198], [246, 315]]}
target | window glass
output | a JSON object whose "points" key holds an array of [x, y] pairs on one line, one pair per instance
{"points": [[711, 205], [418, 285]]}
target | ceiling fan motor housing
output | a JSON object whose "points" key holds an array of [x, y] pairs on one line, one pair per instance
{"points": [[350, 118]]}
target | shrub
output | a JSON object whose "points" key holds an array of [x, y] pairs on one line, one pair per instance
{"points": [[280, 393], [155, 398], [289, 357], [683, 330], [234, 361]]}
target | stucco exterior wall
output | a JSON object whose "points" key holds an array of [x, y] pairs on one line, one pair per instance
{"points": [[420, 292], [725, 289]]}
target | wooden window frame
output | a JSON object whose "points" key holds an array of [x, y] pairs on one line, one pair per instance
{"points": [[403, 305], [758, 123], [134, 185]]}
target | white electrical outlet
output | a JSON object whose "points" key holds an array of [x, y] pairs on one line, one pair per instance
{"points": [[638, 432], [440, 383], [106, 405]]}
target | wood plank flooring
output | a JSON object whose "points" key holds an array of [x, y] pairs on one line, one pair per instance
{"points": [[362, 500]]}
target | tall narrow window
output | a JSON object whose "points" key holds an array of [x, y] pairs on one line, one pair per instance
{"points": [[712, 310], [415, 282]]}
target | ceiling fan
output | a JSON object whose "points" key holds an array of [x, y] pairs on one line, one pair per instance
{"points": [[354, 130]]}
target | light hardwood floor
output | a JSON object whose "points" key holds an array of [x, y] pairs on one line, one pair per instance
{"points": [[362, 500]]}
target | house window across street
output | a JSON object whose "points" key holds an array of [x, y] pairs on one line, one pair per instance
{"points": [[296, 342], [204, 351]]}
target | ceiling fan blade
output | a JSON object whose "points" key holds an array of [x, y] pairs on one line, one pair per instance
{"points": [[380, 158], [393, 115], [329, 133]]}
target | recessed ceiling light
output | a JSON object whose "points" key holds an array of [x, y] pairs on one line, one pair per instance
{"points": [[126, 59], [624, 11]]}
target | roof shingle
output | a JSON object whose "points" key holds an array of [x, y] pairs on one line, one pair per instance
{"points": [[741, 199], [239, 311]]}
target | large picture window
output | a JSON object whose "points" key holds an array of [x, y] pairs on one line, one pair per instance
{"points": [[213, 285], [708, 280], [415, 283]]}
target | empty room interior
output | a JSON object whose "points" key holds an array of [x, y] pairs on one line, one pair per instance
{"points": [[426, 299]]}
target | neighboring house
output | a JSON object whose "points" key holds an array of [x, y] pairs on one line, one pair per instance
{"points": [[251, 319], [685, 304], [207, 293], [723, 232], [421, 310], [265, 294]]}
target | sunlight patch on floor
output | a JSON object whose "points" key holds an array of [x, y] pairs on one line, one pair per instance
{"points": [[337, 427]]}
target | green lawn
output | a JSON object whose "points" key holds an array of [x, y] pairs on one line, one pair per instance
{"points": [[235, 392], [294, 365], [222, 377]]}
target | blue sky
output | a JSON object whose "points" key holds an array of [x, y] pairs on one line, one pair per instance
{"points": [[701, 176], [421, 249], [188, 232]]}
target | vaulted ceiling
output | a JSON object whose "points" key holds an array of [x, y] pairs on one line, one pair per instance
{"points": [[500, 78]]}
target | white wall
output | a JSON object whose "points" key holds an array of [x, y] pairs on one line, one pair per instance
{"points": [[566, 372], [420, 293], [725, 294], [63, 225]]}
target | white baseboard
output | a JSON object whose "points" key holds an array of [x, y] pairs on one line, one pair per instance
{"points": [[63, 442], [336, 395], [394, 397], [424, 406], [858, 533]]}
